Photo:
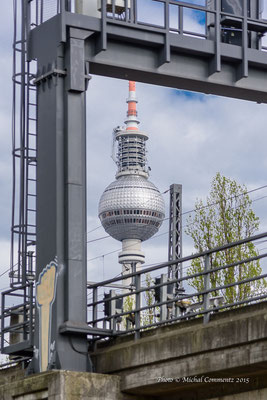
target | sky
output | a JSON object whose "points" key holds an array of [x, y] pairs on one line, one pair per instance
{"points": [[191, 138]]}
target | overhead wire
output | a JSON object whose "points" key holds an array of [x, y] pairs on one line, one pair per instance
{"points": [[92, 230], [95, 240], [127, 247], [3, 273], [165, 219], [184, 213]]}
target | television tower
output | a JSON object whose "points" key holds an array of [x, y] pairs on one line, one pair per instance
{"points": [[131, 209]]}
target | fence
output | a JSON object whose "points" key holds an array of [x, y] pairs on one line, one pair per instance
{"points": [[150, 299], [17, 319], [200, 19], [159, 300]]}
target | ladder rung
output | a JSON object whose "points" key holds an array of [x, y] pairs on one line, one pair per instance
{"points": [[31, 209], [31, 194], [31, 179]]}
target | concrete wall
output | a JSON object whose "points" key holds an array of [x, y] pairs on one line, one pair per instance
{"points": [[62, 385], [223, 360], [171, 361]]}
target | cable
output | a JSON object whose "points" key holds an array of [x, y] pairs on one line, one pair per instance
{"points": [[167, 218], [95, 240], [229, 198], [5, 272], [5, 288], [99, 226], [128, 247], [194, 210]]}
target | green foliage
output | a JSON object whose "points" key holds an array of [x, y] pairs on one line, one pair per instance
{"points": [[128, 305], [226, 217], [148, 315]]}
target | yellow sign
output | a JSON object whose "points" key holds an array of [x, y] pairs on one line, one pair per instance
{"points": [[45, 295]]}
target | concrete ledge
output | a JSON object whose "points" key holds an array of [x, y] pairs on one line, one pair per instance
{"points": [[233, 344], [63, 385]]}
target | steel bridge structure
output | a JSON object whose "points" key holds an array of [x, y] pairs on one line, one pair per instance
{"points": [[55, 51]]}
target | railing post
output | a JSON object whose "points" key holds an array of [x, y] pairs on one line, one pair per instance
{"points": [[167, 48], [181, 19], [137, 306], [244, 71], [31, 313], [206, 300], [112, 311], [2, 321], [24, 308], [94, 306], [103, 33], [216, 61], [163, 297]]}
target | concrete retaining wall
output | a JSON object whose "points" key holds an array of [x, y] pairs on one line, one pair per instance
{"points": [[63, 385], [233, 345]]}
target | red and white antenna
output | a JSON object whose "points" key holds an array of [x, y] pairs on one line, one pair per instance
{"points": [[132, 120]]}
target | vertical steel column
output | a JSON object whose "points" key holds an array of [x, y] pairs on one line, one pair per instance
{"points": [[175, 231], [61, 200]]}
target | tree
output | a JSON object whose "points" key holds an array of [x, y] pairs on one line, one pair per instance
{"points": [[226, 217]]}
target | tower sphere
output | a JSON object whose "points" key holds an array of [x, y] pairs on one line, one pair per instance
{"points": [[131, 208]]}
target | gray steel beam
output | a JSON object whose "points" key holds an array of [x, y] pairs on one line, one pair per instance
{"points": [[61, 197], [135, 52], [187, 72]]}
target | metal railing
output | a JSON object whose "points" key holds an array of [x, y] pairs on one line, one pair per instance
{"points": [[17, 319], [170, 17], [157, 300], [150, 300]]}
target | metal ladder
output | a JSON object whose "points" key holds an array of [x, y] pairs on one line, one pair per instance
{"points": [[24, 132], [30, 181], [17, 321]]}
